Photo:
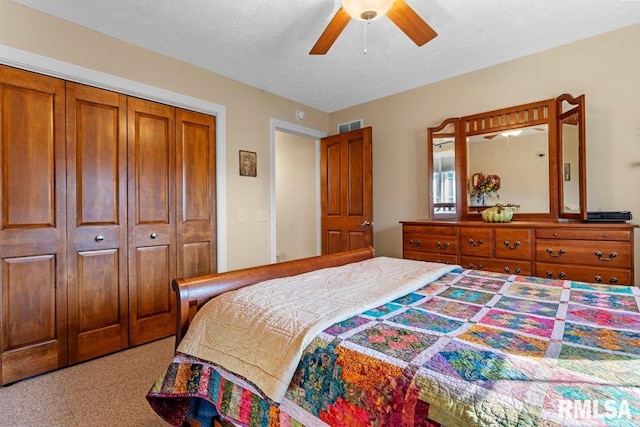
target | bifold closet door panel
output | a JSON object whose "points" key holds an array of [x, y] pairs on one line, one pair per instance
{"points": [[196, 193], [33, 292], [151, 220], [96, 222]]}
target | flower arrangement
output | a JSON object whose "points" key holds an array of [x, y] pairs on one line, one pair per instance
{"points": [[482, 185]]}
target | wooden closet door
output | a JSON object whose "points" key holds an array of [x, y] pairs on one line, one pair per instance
{"points": [[196, 193], [151, 220], [97, 221], [33, 292]]}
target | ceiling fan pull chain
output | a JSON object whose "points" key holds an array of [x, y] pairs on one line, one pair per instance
{"points": [[365, 35]]}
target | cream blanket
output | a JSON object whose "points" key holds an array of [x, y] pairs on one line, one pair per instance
{"points": [[260, 331]]}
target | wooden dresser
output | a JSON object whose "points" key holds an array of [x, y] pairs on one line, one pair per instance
{"points": [[574, 250]]}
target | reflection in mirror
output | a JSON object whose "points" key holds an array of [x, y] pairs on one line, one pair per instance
{"points": [[570, 169], [442, 148], [444, 175], [519, 158]]}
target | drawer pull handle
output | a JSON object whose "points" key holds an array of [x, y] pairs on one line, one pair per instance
{"points": [[444, 245], [479, 267], [560, 276], [612, 255], [474, 244], [598, 279], [508, 270], [613, 280], [510, 246], [154, 235], [415, 243], [99, 238], [554, 255]]}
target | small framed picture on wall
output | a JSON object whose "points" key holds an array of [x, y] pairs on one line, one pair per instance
{"points": [[248, 163]]}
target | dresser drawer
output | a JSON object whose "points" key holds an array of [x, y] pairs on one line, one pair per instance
{"points": [[513, 243], [583, 234], [597, 254], [498, 265], [431, 257], [584, 274], [429, 243], [475, 241]]}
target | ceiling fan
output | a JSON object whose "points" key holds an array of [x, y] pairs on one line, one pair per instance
{"points": [[398, 11], [512, 133]]}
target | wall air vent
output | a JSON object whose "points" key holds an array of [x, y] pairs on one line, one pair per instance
{"points": [[348, 127]]}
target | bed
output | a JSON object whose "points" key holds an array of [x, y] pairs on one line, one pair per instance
{"points": [[442, 346]]}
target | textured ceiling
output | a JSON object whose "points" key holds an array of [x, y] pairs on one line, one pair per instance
{"points": [[265, 43]]}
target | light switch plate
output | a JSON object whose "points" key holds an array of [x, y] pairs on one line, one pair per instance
{"points": [[262, 215]]}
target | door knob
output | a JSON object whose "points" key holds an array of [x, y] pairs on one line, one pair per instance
{"points": [[367, 223]]}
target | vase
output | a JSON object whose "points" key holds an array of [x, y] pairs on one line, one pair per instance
{"points": [[479, 199]]}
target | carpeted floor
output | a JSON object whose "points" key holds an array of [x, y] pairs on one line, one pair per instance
{"points": [[109, 391]]}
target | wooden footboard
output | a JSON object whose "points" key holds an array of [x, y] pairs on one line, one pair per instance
{"points": [[194, 292]]}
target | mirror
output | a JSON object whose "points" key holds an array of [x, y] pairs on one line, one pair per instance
{"points": [[572, 161], [514, 167], [444, 188], [529, 157]]}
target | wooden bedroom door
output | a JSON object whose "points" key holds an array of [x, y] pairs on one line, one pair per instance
{"points": [[346, 191], [151, 220], [33, 292], [96, 222]]}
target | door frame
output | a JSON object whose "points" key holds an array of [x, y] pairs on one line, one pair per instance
{"points": [[283, 126], [52, 67]]}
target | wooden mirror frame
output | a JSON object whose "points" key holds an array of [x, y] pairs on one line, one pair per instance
{"points": [[438, 132], [547, 112], [576, 115]]}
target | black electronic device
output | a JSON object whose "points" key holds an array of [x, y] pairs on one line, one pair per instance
{"points": [[609, 216]]}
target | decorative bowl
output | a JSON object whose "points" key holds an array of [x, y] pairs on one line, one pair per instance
{"points": [[497, 213]]}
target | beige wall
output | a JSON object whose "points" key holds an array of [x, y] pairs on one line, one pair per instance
{"points": [[605, 68], [296, 197], [248, 110]]}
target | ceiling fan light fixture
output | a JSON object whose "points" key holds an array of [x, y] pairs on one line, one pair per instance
{"points": [[366, 10], [511, 133]]}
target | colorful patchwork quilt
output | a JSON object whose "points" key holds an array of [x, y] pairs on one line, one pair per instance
{"points": [[468, 349]]}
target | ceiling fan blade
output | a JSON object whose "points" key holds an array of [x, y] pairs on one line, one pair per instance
{"points": [[410, 23], [331, 33]]}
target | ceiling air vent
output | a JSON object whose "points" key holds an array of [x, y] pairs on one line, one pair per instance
{"points": [[348, 127]]}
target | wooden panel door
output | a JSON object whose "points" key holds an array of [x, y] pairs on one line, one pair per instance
{"points": [[151, 220], [33, 292], [346, 191], [97, 222], [196, 194]]}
